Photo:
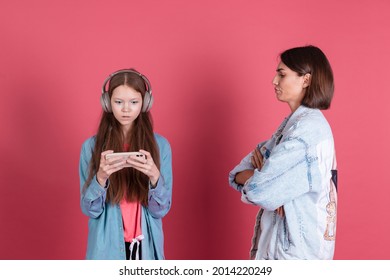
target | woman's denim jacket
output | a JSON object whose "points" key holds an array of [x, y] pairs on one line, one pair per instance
{"points": [[297, 174], [105, 235]]}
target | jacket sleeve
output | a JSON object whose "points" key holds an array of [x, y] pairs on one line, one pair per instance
{"points": [[289, 172], [245, 164], [93, 196], [160, 197]]}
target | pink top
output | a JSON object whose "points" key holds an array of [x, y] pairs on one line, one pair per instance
{"points": [[131, 216]]}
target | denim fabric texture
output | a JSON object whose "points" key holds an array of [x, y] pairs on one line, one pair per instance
{"points": [[105, 227], [296, 174]]}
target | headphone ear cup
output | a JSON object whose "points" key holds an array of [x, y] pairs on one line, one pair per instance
{"points": [[106, 102], [147, 102]]}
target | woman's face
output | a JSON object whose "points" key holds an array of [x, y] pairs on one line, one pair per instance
{"points": [[289, 86], [126, 104]]}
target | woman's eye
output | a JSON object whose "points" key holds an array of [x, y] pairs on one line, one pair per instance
{"points": [[118, 102], [134, 102]]}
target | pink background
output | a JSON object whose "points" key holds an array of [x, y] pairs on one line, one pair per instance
{"points": [[210, 64]]}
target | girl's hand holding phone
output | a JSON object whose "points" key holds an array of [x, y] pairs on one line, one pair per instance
{"points": [[109, 165], [145, 165]]}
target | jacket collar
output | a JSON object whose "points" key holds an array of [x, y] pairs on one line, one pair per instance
{"points": [[294, 117]]}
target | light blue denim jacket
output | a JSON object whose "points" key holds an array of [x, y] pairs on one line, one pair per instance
{"points": [[296, 174], [105, 234]]}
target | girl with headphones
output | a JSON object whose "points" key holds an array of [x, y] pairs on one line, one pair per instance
{"points": [[126, 197]]}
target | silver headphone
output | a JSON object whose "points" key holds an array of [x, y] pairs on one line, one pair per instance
{"points": [[105, 97]]}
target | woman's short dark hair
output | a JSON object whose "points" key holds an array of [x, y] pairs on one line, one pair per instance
{"points": [[311, 60]]}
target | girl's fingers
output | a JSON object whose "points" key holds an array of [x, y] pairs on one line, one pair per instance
{"points": [[148, 167], [119, 164], [143, 167], [115, 169], [146, 153], [108, 169], [103, 155], [138, 159]]}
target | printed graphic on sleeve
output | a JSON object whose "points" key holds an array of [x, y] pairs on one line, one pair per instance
{"points": [[331, 209]]}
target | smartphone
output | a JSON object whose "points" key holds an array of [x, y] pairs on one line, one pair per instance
{"points": [[125, 155]]}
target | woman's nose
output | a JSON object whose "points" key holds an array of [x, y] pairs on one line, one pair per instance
{"points": [[275, 81]]}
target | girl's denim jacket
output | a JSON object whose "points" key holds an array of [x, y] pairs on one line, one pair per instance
{"points": [[296, 174], [105, 235]]}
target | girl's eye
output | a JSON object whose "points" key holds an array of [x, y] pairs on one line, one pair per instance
{"points": [[134, 102], [118, 101]]}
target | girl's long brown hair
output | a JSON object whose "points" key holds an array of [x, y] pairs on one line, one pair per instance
{"points": [[127, 183]]}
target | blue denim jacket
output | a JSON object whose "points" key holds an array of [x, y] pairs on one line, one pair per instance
{"points": [[105, 235], [297, 173]]}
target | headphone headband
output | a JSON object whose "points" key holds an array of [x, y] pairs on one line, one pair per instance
{"points": [[147, 83]]}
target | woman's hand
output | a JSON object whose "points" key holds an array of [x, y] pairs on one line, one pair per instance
{"points": [[108, 166], [243, 176], [280, 211], [145, 165], [257, 159], [257, 163]]}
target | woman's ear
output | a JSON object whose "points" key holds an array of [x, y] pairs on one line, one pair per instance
{"points": [[306, 80]]}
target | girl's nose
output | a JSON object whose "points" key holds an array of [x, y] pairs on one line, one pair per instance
{"points": [[125, 107]]}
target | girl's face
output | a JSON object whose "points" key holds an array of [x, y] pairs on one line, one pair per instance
{"points": [[126, 104], [289, 86]]}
